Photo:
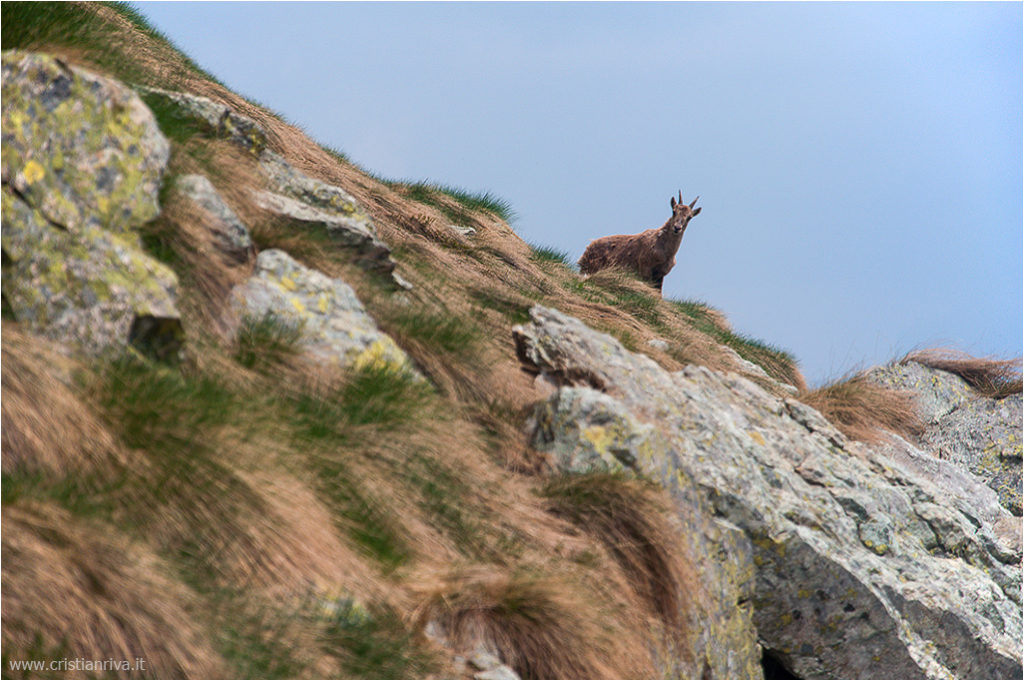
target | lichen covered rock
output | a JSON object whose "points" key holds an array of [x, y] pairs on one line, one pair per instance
{"points": [[82, 165], [92, 290], [82, 149], [860, 567], [335, 326]]}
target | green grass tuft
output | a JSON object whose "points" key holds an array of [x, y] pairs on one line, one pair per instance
{"points": [[35, 25], [267, 341], [375, 645], [469, 202], [160, 409], [777, 363], [548, 254], [372, 396], [365, 518], [439, 333]]}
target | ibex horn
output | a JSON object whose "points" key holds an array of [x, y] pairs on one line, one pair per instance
{"points": [[680, 196], [694, 202]]}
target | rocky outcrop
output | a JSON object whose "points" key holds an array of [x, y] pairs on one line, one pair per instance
{"points": [[291, 194], [83, 160], [977, 433], [219, 120], [231, 236], [335, 327], [849, 562]]}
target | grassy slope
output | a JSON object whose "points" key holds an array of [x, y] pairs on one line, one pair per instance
{"points": [[250, 496]]}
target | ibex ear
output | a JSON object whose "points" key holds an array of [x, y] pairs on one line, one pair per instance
{"points": [[697, 212], [672, 202]]}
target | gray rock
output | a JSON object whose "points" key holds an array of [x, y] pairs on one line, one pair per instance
{"points": [[499, 672], [979, 434], [219, 119], [464, 231], [82, 164], [937, 393], [859, 567], [335, 326], [293, 195], [92, 290], [80, 148], [586, 430], [312, 203], [484, 659], [658, 344], [232, 236]]}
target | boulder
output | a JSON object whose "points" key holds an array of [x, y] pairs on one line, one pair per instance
{"points": [[977, 433], [92, 290], [335, 326], [82, 165], [231, 235], [854, 565], [82, 149]]}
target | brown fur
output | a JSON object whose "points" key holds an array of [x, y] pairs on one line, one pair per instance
{"points": [[651, 254]]}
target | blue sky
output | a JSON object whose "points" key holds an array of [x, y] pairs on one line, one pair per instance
{"points": [[859, 163]]}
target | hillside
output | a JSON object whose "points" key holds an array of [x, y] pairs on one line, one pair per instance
{"points": [[266, 414]]}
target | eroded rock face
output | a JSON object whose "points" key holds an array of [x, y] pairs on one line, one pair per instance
{"points": [[859, 566], [977, 433], [335, 326], [82, 165]]}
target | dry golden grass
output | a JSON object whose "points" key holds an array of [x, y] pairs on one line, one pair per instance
{"points": [[630, 517], [995, 378], [538, 623], [46, 428], [864, 410], [85, 592]]}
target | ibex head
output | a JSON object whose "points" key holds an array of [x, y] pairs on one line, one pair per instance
{"points": [[681, 214]]}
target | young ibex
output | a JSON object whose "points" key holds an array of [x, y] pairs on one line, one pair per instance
{"points": [[651, 254]]}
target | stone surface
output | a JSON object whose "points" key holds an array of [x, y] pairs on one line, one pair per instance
{"points": [[855, 565], [231, 234], [335, 326], [312, 203], [464, 231], [977, 433], [292, 195], [82, 165], [92, 290], [221, 120], [82, 149]]}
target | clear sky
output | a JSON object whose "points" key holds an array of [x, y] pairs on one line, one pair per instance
{"points": [[859, 164]]}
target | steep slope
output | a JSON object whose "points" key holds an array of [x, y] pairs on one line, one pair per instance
{"points": [[282, 428]]}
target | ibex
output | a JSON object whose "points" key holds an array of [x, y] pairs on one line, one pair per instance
{"points": [[651, 254]]}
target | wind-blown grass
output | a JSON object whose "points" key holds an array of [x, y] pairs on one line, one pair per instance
{"points": [[465, 201], [628, 518], [548, 254], [995, 378], [863, 410]]}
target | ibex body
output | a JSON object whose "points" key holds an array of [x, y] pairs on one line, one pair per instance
{"points": [[651, 254]]}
